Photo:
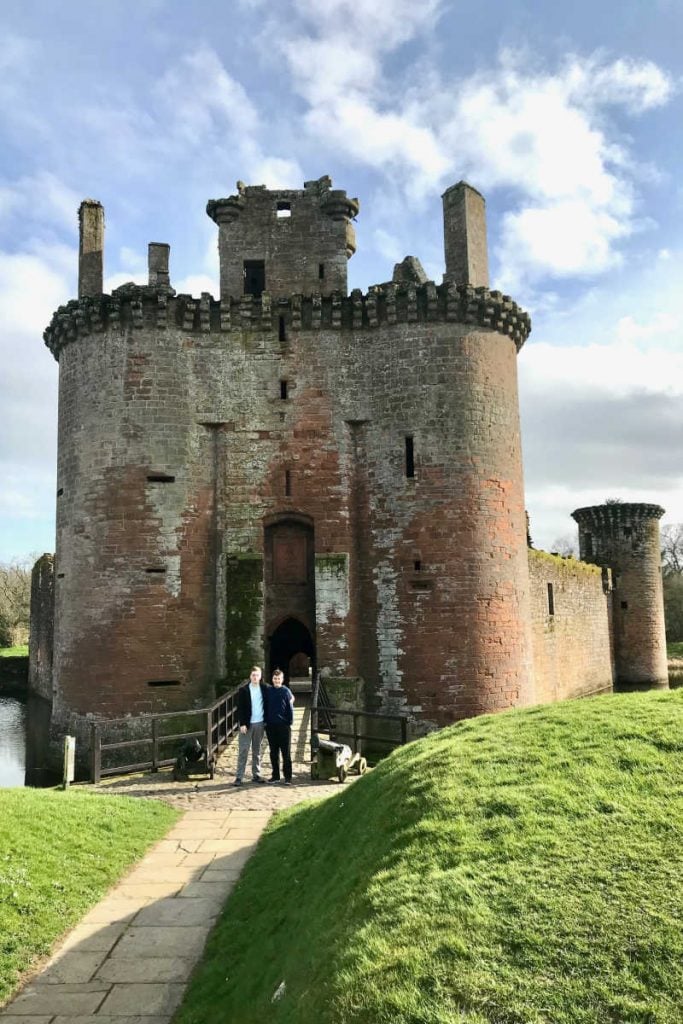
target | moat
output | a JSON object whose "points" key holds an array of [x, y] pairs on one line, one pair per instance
{"points": [[12, 741]]}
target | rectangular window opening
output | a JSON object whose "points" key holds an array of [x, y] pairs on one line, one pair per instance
{"points": [[624, 605], [283, 209], [283, 390], [163, 682], [60, 575], [288, 483], [254, 277], [321, 271], [417, 565], [282, 329], [551, 600], [410, 457], [160, 478], [156, 569]]}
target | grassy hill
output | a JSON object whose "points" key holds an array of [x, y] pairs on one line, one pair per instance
{"points": [[513, 869]]}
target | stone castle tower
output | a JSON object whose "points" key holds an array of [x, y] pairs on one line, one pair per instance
{"points": [[291, 473]]}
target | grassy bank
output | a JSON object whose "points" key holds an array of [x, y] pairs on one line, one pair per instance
{"points": [[59, 852], [14, 652], [515, 869]]}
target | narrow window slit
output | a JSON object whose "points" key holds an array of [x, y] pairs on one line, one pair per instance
{"points": [[160, 478], [288, 483], [551, 600], [156, 569], [282, 329], [624, 605], [410, 457], [283, 390], [321, 271], [163, 682], [60, 492], [417, 565], [283, 209]]}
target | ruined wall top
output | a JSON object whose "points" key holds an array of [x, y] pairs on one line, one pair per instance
{"points": [[284, 241]]}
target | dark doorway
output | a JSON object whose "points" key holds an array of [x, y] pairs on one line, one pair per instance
{"points": [[289, 645], [254, 277]]}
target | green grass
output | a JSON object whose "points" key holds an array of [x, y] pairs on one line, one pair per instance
{"points": [[59, 853], [675, 650], [14, 652], [523, 868]]}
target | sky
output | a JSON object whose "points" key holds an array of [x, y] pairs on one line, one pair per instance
{"points": [[567, 117]]}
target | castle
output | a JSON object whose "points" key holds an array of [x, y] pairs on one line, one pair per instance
{"points": [[292, 475]]}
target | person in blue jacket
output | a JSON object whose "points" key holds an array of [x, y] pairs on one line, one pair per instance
{"points": [[279, 717]]}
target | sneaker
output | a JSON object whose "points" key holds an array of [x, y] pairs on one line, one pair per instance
{"points": [[288, 782], [237, 782], [274, 778], [259, 778]]}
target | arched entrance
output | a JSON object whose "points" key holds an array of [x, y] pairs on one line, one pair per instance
{"points": [[289, 645], [290, 594]]}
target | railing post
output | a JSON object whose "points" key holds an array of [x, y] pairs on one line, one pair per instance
{"points": [[209, 737], [404, 731], [155, 748], [95, 753]]}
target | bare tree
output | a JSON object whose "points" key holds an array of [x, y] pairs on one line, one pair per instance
{"points": [[672, 574], [566, 545], [15, 602]]}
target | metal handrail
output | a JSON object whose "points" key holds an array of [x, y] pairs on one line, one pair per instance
{"points": [[219, 726]]}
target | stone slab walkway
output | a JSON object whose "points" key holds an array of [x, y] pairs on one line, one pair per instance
{"points": [[129, 959]]}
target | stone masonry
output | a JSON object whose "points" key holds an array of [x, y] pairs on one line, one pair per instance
{"points": [[291, 472]]}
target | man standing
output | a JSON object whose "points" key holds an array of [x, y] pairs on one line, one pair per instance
{"points": [[250, 714], [279, 718]]}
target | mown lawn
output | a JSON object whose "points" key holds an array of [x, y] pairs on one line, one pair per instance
{"points": [[523, 868], [59, 853], [14, 652]]}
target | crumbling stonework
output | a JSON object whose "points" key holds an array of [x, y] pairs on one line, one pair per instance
{"points": [[291, 472], [42, 627]]}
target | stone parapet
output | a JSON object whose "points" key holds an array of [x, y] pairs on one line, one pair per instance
{"points": [[141, 305]]}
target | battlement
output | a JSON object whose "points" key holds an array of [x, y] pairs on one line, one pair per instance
{"points": [[618, 513], [137, 306]]}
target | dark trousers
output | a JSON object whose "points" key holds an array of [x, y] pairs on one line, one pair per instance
{"points": [[279, 741]]}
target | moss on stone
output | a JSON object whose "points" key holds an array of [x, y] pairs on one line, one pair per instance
{"points": [[243, 608], [333, 564], [565, 563]]}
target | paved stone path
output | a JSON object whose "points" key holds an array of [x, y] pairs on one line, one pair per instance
{"points": [[129, 959]]}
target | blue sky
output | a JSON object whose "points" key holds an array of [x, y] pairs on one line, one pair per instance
{"points": [[568, 118]]}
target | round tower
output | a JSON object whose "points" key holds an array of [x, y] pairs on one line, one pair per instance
{"points": [[625, 537]]}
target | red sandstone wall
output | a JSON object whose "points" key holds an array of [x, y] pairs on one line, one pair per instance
{"points": [[573, 647]]}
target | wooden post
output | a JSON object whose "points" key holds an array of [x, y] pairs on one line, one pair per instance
{"points": [[95, 753], [155, 747]]}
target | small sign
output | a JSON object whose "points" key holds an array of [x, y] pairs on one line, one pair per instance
{"points": [[69, 760]]}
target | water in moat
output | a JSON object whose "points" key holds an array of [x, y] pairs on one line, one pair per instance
{"points": [[12, 741]]}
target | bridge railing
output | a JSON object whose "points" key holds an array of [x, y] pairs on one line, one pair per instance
{"points": [[334, 721], [150, 747]]}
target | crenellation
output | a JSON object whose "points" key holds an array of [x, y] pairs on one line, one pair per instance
{"points": [[134, 305]]}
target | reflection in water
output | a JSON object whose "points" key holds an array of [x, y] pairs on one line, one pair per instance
{"points": [[12, 741]]}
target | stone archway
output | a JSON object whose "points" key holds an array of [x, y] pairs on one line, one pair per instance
{"points": [[290, 640]]}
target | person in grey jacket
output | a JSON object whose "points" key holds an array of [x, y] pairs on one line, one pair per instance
{"points": [[251, 705]]}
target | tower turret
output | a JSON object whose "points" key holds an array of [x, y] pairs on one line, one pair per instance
{"points": [[625, 537], [284, 241], [464, 225]]}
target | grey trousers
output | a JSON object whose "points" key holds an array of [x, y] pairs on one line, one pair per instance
{"points": [[252, 738]]}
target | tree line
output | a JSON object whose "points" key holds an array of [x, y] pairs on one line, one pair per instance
{"points": [[15, 602]]}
